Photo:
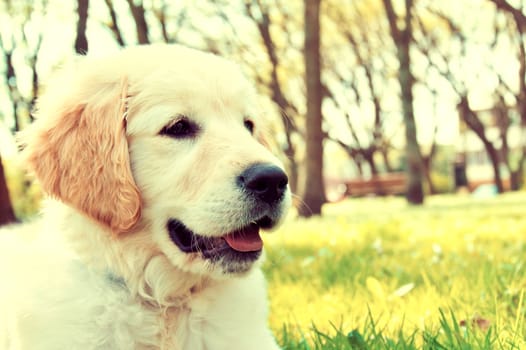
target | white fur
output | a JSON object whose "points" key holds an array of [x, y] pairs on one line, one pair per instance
{"points": [[68, 282]]}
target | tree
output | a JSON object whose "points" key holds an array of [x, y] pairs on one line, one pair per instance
{"points": [[402, 39], [21, 88], [7, 214], [426, 44], [519, 93], [427, 161], [367, 78], [141, 27], [313, 192], [442, 59], [473, 121], [260, 15], [138, 14], [113, 25], [81, 41], [16, 38]]}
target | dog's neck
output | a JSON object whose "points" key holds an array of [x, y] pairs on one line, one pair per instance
{"points": [[144, 271]]}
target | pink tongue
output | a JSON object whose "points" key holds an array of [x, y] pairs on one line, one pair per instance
{"points": [[245, 240]]}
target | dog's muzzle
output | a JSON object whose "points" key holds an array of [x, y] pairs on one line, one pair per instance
{"points": [[264, 187]]}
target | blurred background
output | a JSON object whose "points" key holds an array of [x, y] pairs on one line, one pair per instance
{"points": [[373, 105], [367, 97]]}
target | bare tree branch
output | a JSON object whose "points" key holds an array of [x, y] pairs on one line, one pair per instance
{"points": [[160, 14], [517, 14], [114, 25]]}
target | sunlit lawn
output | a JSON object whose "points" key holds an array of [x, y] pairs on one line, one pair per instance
{"points": [[376, 273]]}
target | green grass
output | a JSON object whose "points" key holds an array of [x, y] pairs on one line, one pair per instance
{"points": [[379, 274]]}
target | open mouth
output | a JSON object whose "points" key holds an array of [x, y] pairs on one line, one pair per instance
{"points": [[243, 243]]}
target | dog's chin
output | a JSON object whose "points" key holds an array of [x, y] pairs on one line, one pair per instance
{"points": [[234, 252]]}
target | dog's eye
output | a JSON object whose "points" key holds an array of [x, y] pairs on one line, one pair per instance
{"points": [[182, 128], [249, 124]]}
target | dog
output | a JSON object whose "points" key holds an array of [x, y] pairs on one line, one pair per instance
{"points": [[159, 180]]}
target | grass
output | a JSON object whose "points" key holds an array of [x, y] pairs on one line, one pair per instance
{"points": [[379, 274]]}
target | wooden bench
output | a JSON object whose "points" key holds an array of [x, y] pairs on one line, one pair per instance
{"points": [[380, 185]]}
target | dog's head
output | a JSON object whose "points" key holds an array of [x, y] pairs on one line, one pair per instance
{"points": [[167, 140]]}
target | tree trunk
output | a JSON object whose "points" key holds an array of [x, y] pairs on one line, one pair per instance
{"points": [[475, 124], [384, 151], [368, 155], [415, 191], [81, 41], [11, 79], [517, 175], [313, 193], [516, 178], [426, 161], [7, 214], [402, 40], [141, 27], [495, 162]]}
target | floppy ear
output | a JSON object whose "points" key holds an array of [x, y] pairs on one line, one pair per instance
{"points": [[78, 150]]}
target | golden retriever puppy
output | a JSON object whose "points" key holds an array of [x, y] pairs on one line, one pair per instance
{"points": [[160, 186]]}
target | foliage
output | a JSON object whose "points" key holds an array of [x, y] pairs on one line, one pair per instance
{"points": [[378, 274], [443, 183], [25, 194]]}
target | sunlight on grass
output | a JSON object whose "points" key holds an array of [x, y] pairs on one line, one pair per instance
{"points": [[412, 272]]}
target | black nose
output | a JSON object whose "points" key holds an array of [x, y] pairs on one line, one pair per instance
{"points": [[265, 181]]}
